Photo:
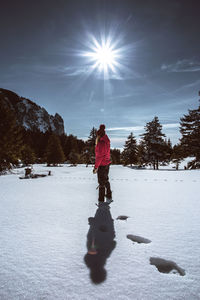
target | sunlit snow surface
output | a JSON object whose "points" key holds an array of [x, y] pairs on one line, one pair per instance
{"points": [[44, 227]]}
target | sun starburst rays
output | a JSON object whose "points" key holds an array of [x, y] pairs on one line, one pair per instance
{"points": [[103, 56]]}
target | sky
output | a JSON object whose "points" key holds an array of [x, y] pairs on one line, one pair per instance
{"points": [[49, 49]]}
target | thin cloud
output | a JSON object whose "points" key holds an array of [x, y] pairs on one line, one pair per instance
{"points": [[76, 71], [172, 125], [72, 71], [126, 95], [194, 84], [132, 128], [128, 19], [184, 65], [139, 128], [91, 96]]}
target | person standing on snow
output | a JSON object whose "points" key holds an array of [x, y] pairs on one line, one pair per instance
{"points": [[102, 164]]}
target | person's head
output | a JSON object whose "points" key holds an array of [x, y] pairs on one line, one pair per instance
{"points": [[101, 131]]}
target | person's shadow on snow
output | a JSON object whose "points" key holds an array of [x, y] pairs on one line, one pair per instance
{"points": [[100, 243]]}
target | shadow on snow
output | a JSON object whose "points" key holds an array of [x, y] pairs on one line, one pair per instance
{"points": [[100, 243]]}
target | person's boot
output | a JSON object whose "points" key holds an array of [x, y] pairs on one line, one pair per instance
{"points": [[101, 193], [108, 194], [109, 197]]}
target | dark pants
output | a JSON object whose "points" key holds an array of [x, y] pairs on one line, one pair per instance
{"points": [[103, 181]]}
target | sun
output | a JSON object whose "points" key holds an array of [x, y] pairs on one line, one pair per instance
{"points": [[106, 55], [102, 55]]}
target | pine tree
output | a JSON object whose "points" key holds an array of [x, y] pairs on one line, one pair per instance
{"points": [[142, 155], [115, 156], [54, 152], [73, 158], [80, 146], [190, 130], [37, 141], [169, 149], [154, 142], [90, 144], [130, 150], [70, 144], [27, 155], [85, 157], [166, 151], [177, 155], [92, 137], [10, 138]]}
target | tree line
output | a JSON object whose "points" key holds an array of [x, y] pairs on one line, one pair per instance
{"points": [[154, 148], [18, 145]]}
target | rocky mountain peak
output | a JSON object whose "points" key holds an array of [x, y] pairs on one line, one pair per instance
{"points": [[30, 115]]}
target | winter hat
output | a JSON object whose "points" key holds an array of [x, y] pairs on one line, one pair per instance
{"points": [[101, 130]]}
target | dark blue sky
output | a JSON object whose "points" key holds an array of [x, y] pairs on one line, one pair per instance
{"points": [[160, 61]]}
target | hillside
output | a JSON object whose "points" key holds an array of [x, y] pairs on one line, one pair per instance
{"points": [[30, 115]]}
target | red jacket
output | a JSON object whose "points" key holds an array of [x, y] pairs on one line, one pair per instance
{"points": [[102, 152]]}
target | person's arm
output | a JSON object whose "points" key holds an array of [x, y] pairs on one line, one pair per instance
{"points": [[97, 163], [100, 154], [98, 160]]}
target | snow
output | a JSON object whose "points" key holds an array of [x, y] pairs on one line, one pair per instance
{"points": [[44, 228], [25, 125], [27, 104], [52, 123]]}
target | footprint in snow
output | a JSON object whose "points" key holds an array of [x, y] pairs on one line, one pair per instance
{"points": [[138, 239], [166, 266], [122, 217]]}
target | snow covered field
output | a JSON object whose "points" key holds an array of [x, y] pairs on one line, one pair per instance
{"points": [[44, 235]]}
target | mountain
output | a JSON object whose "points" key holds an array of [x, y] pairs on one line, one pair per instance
{"points": [[30, 115]]}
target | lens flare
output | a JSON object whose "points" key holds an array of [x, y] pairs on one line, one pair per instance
{"points": [[106, 55], [103, 55]]}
